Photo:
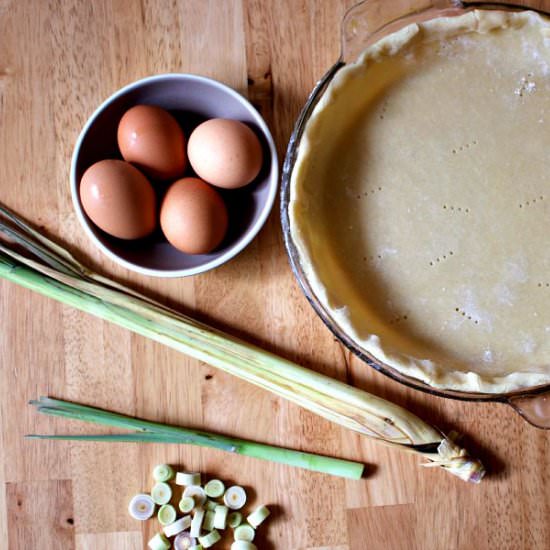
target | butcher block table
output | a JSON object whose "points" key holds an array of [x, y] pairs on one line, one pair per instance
{"points": [[58, 61]]}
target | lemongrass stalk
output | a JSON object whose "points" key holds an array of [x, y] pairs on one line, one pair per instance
{"points": [[334, 400], [154, 432], [137, 437]]}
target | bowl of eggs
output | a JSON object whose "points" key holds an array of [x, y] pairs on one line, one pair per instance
{"points": [[174, 175]]}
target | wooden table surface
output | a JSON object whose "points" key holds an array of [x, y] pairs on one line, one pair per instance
{"points": [[58, 61]]}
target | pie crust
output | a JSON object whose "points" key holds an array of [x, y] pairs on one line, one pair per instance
{"points": [[420, 201]]}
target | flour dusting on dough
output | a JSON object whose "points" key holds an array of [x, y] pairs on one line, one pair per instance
{"points": [[516, 270], [534, 53], [526, 343], [504, 295], [525, 87]]}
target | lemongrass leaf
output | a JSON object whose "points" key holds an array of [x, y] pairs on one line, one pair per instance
{"points": [[28, 234], [162, 433]]}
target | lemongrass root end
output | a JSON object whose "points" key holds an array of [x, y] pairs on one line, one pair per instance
{"points": [[456, 460]]}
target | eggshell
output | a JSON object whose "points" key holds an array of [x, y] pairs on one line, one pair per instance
{"points": [[225, 153], [119, 199], [193, 216], [150, 138]]}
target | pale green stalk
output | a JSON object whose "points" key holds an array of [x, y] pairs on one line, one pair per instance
{"points": [[154, 432], [334, 400]]}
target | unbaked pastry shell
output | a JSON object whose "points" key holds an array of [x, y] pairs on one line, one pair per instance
{"points": [[420, 204]]}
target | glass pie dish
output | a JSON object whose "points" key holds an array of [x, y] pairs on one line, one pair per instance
{"points": [[363, 25]]}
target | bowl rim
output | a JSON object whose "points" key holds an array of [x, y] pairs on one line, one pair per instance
{"points": [[233, 250]]}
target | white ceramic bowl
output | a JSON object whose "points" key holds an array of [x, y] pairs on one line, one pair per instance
{"points": [[191, 99]]}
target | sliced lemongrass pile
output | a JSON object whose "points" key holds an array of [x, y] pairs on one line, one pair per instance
{"points": [[206, 518]]}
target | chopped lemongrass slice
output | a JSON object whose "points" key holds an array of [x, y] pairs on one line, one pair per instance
{"points": [[177, 526], [184, 541], [209, 540], [210, 505], [161, 493], [244, 532], [234, 519], [186, 504], [258, 516], [243, 545], [197, 492], [167, 515], [208, 522], [159, 542], [196, 523], [214, 488], [163, 472], [188, 478], [220, 517], [196, 547], [235, 497], [141, 507]]}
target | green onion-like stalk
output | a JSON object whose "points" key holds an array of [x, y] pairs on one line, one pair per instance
{"points": [[55, 273], [154, 432]]}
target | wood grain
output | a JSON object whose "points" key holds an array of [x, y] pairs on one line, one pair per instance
{"points": [[40, 514], [108, 541], [58, 61], [372, 528]]}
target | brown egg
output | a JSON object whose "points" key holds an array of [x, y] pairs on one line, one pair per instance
{"points": [[119, 199], [193, 216], [225, 153], [150, 138]]}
